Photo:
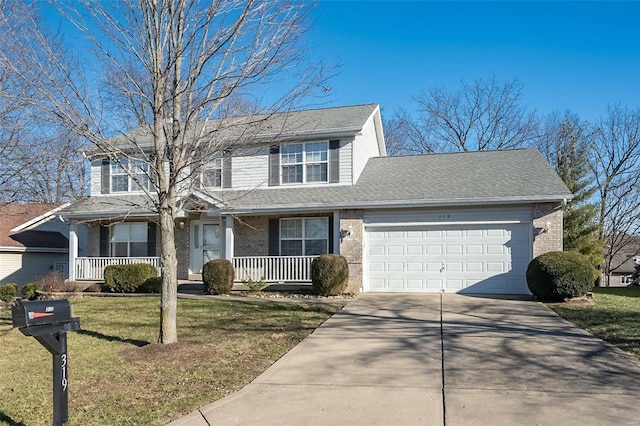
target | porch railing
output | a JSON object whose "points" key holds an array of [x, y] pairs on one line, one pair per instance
{"points": [[92, 268], [273, 268]]}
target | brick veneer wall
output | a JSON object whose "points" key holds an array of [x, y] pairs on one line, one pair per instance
{"points": [[351, 246], [251, 236], [550, 240], [93, 239]]}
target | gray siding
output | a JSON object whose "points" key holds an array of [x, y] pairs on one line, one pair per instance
{"points": [[365, 146], [23, 268]]}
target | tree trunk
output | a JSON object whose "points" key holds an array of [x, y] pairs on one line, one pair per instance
{"points": [[169, 298]]}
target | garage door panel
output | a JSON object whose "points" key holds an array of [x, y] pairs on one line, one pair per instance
{"points": [[453, 258]]}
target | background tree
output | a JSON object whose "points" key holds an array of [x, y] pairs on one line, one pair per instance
{"points": [[177, 68], [481, 115], [564, 144], [615, 163], [39, 161]]}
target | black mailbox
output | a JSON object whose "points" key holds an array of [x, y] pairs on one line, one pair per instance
{"points": [[41, 312], [48, 321], [43, 317]]}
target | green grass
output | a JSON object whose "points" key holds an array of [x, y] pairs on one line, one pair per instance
{"points": [[614, 317], [116, 376]]}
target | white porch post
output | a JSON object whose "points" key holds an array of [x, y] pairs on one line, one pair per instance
{"points": [[336, 232], [73, 250], [228, 238]]}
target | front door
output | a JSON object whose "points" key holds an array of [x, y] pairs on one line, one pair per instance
{"points": [[205, 243]]}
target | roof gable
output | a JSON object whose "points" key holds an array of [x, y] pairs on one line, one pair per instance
{"points": [[13, 215]]}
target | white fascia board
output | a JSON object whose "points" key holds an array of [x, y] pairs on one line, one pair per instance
{"points": [[6, 249], [45, 217]]}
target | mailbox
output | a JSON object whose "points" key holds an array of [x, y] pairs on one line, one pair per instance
{"points": [[48, 321], [43, 317]]}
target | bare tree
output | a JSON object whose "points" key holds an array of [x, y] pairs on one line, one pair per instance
{"points": [[615, 163], [177, 68], [481, 115], [39, 160]]}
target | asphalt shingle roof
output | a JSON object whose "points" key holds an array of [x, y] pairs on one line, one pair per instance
{"points": [[455, 179], [267, 128], [14, 214]]}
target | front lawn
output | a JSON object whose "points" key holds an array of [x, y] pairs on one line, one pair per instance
{"points": [[116, 377], [614, 317]]}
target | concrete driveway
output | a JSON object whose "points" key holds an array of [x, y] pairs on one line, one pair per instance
{"points": [[392, 359]]}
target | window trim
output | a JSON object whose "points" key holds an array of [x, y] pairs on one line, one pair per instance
{"points": [[303, 237], [128, 172], [206, 166], [112, 250], [304, 163]]}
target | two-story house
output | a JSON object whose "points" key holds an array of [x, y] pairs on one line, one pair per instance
{"points": [[459, 222]]}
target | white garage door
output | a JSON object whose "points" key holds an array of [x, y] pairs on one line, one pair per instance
{"points": [[488, 259]]}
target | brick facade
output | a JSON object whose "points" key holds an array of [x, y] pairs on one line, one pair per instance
{"points": [[351, 246], [251, 236], [183, 244], [547, 228]]}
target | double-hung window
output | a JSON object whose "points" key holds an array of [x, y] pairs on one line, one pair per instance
{"points": [[125, 174], [212, 173], [304, 236], [304, 162], [129, 239]]}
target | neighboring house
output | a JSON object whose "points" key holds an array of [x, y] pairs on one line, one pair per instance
{"points": [[32, 242], [461, 222], [623, 265]]}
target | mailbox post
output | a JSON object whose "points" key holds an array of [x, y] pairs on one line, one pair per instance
{"points": [[48, 321]]}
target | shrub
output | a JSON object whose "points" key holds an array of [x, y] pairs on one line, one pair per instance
{"points": [[558, 275], [218, 275], [255, 286], [8, 292], [29, 291], [54, 282], [329, 275], [128, 278], [151, 285]]}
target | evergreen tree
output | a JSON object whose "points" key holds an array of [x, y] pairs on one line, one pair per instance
{"points": [[581, 228]]}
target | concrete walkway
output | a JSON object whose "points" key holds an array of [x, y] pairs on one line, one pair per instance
{"points": [[439, 360]]}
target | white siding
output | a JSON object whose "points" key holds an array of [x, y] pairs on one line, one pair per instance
{"points": [[365, 146], [346, 162], [96, 181], [23, 268], [506, 214], [251, 170]]}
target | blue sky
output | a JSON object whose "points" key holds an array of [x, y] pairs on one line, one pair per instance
{"points": [[577, 56]]}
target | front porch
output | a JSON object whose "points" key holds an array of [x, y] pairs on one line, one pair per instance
{"points": [[270, 269]]}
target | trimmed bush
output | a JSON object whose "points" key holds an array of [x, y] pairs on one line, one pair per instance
{"points": [[152, 285], [128, 278], [218, 275], [329, 275], [560, 275], [29, 291], [8, 292]]}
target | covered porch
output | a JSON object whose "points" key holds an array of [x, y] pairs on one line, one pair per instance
{"points": [[273, 249]]}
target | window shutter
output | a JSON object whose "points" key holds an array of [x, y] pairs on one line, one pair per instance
{"points": [[151, 239], [274, 237], [330, 239], [104, 241], [105, 175], [274, 166], [226, 170], [334, 161]]}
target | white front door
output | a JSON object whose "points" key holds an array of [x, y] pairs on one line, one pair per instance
{"points": [[205, 243]]}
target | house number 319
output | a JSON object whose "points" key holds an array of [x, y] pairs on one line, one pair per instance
{"points": [[63, 358]]}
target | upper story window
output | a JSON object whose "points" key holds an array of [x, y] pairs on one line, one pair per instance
{"points": [[125, 175], [304, 162], [212, 173]]}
